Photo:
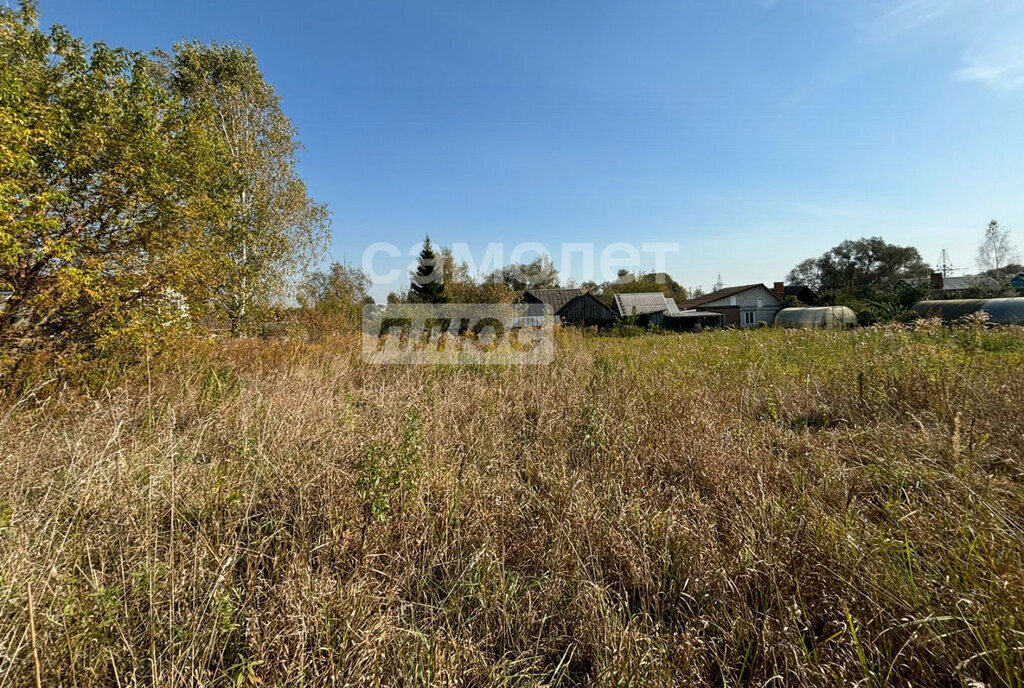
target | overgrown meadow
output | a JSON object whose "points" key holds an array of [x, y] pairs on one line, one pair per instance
{"points": [[733, 508]]}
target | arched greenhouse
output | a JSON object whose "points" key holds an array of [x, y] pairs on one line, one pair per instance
{"points": [[819, 317], [1000, 311]]}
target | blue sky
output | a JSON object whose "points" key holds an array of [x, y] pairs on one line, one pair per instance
{"points": [[754, 133]]}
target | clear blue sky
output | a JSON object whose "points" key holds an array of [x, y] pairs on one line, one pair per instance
{"points": [[754, 133]]}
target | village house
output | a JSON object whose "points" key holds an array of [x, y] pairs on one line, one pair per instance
{"points": [[749, 305], [571, 307], [643, 304], [661, 311], [941, 286]]}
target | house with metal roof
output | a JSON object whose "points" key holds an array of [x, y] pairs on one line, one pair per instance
{"points": [[747, 305], [556, 298], [643, 303], [571, 307], [661, 311], [941, 286]]}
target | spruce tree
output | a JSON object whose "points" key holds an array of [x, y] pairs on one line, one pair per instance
{"points": [[428, 281]]}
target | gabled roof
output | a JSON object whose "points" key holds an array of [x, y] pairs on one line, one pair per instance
{"points": [[964, 282], [556, 298], [597, 310], [643, 303], [720, 294]]}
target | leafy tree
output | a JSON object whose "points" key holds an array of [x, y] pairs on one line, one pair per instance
{"points": [[462, 287], [1010, 269], [539, 273], [427, 285], [99, 203], [996, 283], [272, 228], [996, 250], [859, 268], [635, 283], [138, 192], [872, 277], [806, 273], [335, 297]]}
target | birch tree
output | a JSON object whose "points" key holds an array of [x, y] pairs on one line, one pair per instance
{"points": [[273, 229], [996, 250]]}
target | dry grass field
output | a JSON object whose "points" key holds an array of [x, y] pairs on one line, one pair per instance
{"points": [[765, 508]]}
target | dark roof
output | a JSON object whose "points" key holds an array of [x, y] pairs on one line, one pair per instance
{"points": [[556, 298], [720, 294], [643, 303], [594, 310], [797, 289], [964, 282]]}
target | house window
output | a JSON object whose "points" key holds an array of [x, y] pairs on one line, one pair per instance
{"points": [[760, 302], [748, 318]]}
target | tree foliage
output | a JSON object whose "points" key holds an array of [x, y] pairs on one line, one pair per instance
{"points": [[138, 191], [539, 273], [859, 268], [996, 251], [874, 278], [98, 209], [272, 227], [334, 299], [636, 283], [461, 286]]}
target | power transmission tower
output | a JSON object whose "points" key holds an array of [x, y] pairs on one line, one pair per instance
{"points": [[945, 265]]}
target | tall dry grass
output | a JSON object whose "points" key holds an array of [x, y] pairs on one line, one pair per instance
{"points": [[753, 508]]}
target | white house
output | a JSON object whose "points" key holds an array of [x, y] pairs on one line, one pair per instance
{"points": [[745, 306]]}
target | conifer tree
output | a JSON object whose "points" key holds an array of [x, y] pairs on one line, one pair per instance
{"points": [[428, 280]]}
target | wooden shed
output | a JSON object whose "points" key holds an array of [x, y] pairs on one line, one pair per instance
{"points": [[572, 307], [586, 310], [556, 298]]}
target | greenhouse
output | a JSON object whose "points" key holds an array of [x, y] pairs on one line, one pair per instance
{"points": [[1000, 311], [820, 317]]}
